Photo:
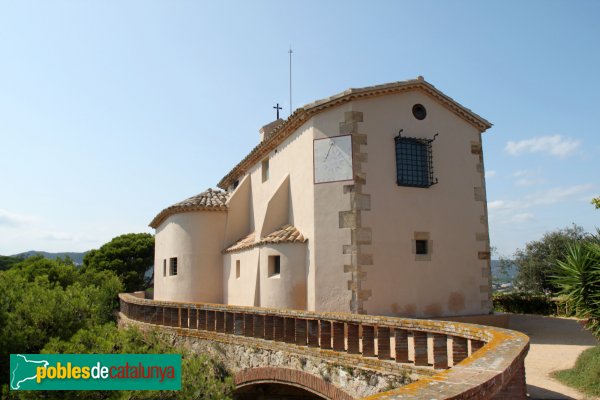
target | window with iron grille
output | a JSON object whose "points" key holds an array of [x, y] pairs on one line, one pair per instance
{"points": [[414, 164]]}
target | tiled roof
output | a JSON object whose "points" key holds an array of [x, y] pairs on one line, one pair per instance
{"points": [[303, 114], [286, 234], [210, 200]]}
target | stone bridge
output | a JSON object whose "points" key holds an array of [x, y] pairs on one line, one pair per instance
{"points": [[289, 353]]}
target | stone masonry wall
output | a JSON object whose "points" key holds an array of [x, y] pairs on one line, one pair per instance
{"points": [[236, 357]]}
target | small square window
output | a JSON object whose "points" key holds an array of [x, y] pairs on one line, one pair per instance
{"points": [[421, 247], [173, 266], [265, 170], [274, 265], [237, 269], [165, 267]]}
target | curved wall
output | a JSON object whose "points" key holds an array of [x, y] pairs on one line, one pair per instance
{"points": [[256, 286], [195, 238]]}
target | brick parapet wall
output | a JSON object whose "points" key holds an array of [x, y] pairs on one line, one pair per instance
{"points": [[492, 367], [240, 355]]}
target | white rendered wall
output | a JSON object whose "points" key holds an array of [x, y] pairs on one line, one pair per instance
{"points": [[288, 289], [454, 281], [291, 161], [196, 239], [242, 291], [254, 286]]}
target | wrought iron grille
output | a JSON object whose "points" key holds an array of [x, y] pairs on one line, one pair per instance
{"points": [[414, 161]]}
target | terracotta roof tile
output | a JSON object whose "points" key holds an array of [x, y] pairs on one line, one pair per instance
{"points": [[244, 243], [286, 234], [209, 200]]}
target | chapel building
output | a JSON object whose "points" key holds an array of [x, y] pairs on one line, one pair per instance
{"points": [[370, 201]]}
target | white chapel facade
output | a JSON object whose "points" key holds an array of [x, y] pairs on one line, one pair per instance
{"points": [[370, 201]]}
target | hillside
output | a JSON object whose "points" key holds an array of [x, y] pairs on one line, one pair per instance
{"points": [[76, 257], [506, 275]]}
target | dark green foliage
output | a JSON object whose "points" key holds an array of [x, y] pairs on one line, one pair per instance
{"points": [[129, 256], [201, 377], [77, 258], [536, 262], [53, 306], [8, 261], [43, 299], [526, 303], [585, 375], [578, 278]]}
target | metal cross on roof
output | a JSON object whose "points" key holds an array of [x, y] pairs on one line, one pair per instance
{"points": [[277, 107]]}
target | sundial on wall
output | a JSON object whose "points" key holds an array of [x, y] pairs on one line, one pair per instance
{"points": [[333, 159]]}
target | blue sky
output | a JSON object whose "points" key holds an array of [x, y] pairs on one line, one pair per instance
{"points": [[111, 110]]}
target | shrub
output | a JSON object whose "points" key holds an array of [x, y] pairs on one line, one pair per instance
{"points": [[525, 303], [578, 278]]}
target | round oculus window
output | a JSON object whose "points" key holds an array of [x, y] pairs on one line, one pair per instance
{"points": [[419, 111]]}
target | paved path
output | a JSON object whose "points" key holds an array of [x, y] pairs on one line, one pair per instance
{"points": [[555, 345]]}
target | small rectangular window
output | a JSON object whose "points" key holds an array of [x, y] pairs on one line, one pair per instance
{"points": [[165, 267], [173, 266], [414, 165], [237, 269], [421, 247], [274, 265], [265, 169]]}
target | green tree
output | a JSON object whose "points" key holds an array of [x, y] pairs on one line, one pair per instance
{"points": [[8, 261], [129, 256], [201, 377], [43, 299], [54, 306], [596, 202], [535, 263], [578, 278]]}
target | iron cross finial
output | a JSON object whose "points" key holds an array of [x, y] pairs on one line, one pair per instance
{"points": [[277, 107]]}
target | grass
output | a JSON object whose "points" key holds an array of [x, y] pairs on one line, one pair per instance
{"points": [[585, 375]]}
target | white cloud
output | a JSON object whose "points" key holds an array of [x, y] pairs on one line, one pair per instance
{"points": [[587, 198], [545, 197], [14, 220], [528, 177], [65, 237], [497, 205], [530, 181], [558, 194], [554, 145], [521, 172], [490, 174], [520, 218]]}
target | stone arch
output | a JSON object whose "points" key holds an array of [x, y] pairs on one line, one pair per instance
{"points": [[286, 376]]}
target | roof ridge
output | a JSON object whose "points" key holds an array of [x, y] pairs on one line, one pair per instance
{"points": [[302, 114]]}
